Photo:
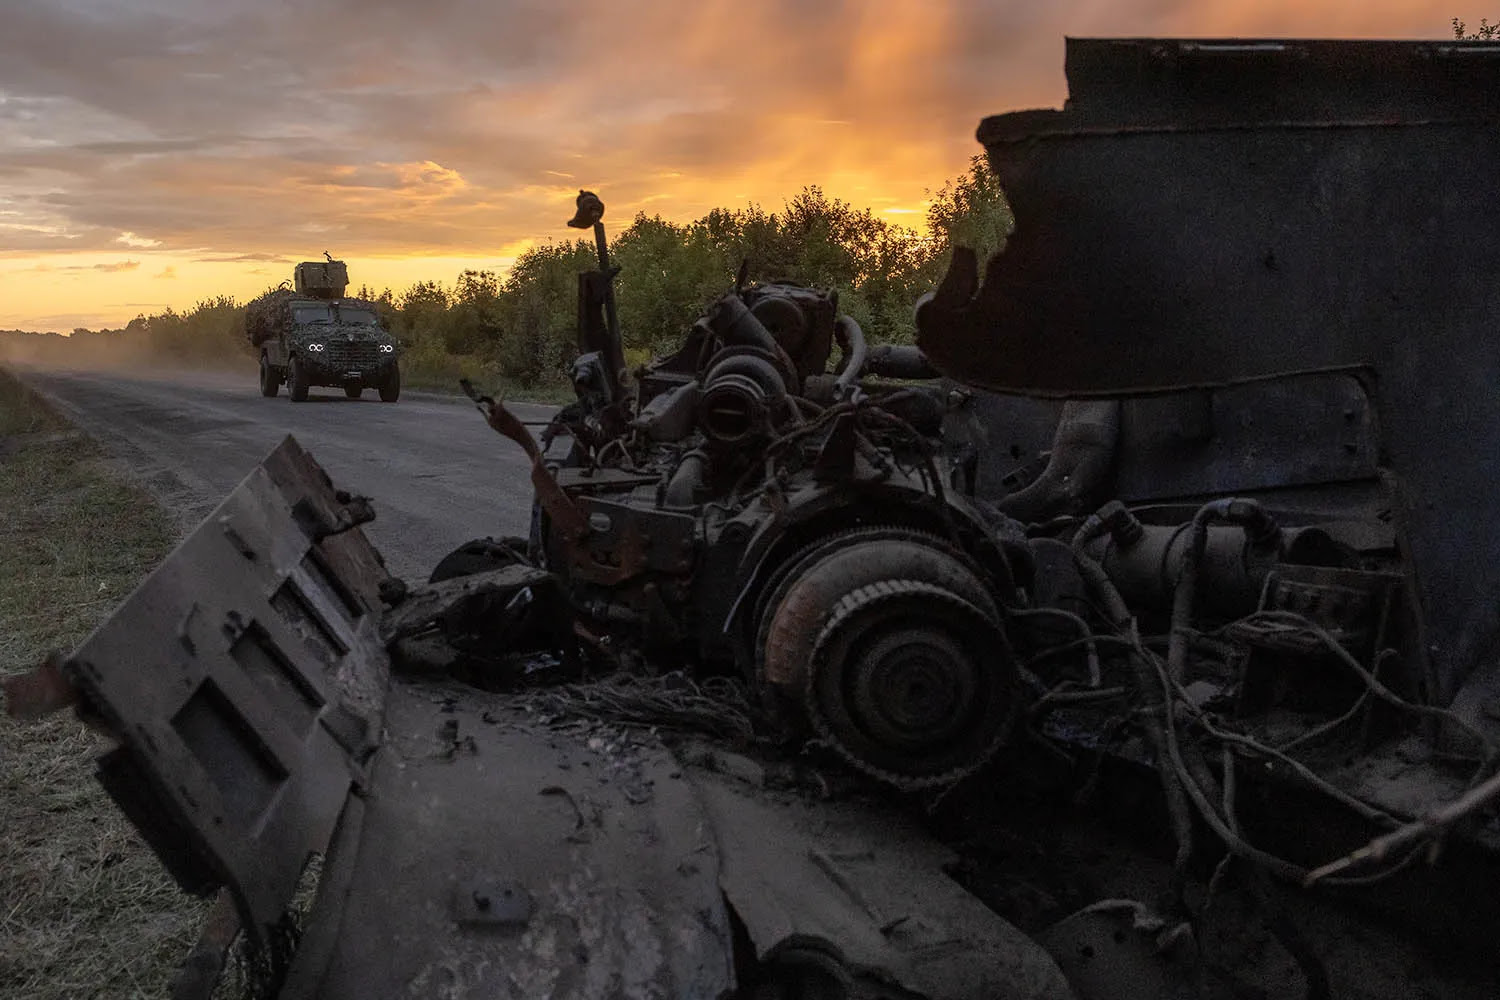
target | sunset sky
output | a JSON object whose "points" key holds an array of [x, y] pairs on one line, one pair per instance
{"points": [[156, 152]]}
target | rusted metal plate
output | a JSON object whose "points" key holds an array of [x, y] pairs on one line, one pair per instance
{"points": [[41, 692], [559, 506], [1117, 950], [624, 540], [244, 679]]}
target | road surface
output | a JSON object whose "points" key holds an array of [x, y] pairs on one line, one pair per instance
{"points": [[438, 474]]}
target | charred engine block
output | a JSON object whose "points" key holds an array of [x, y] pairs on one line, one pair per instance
{"points": [[751, 507]]}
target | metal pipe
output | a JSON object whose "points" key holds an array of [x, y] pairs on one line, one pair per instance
{"points": [[739, 393], [1263, 533], [733, 321], [670, 415], [1083, 449], [852, 342], [904, 361], [686, 479], [614, 349]]}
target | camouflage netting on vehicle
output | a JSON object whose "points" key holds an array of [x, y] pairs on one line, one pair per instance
{"points": [[269, 316]]}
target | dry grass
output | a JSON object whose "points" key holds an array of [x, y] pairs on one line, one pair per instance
{"points": [[85, 909], [430, 369]]}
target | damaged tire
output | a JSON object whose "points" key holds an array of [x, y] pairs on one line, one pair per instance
{"points": [[896, 653], [496, 632], [298, 381], [479, 556], [270, 379], [390, 389]]}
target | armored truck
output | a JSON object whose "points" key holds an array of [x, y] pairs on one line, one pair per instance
{"points": [[310, 334]]}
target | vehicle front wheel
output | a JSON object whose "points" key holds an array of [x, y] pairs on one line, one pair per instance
{"points": [[479, 556], [390, 389], [270, 380], [298, 382], [353, 391]]}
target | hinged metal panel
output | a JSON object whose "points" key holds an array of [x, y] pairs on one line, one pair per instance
{"points": [[245, 679]]}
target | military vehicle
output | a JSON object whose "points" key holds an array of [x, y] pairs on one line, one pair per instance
{"points": [[1170, 527], [311, 335]]}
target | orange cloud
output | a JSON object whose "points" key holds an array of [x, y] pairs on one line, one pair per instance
{"points": [[226, 141]]}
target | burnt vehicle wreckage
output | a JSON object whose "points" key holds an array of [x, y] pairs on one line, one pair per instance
{"points": [[1178, 511]]}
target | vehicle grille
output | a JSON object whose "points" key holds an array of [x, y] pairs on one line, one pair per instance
{"points": [[345, 356]]}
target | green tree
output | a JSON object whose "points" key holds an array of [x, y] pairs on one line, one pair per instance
{"points": [[419, 309], [1485, 32], [667, 274], [471, 323], [971, 211], [539, 310]]}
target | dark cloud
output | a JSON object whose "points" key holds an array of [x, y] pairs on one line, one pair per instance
{"points": [[241, 131], [243, 258], [148, 147], [110, 267]]}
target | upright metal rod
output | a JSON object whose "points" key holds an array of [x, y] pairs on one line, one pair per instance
{"points": [[616, 348]]}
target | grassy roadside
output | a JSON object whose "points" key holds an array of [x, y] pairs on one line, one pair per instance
{"points": [[426, 372], [85, 909]]}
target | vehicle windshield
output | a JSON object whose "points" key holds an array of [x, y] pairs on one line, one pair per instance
{"points": [[312, 312], [356, 316], [322, 312]]}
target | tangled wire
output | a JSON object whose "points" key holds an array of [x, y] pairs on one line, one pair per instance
{"points": [[1185, 734], [671, 702]]}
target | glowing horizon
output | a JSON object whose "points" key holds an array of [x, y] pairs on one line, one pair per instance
{"points": [[157, 153]]}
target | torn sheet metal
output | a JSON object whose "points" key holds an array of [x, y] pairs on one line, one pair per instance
{"points": [[244, 680], [425, 605], [1117, 949], [596, 864], [609, 861], [866, 890]]}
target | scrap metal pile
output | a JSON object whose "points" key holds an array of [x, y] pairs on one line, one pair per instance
{"points": [[746, 509]]}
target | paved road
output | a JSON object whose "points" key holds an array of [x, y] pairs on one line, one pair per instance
{"points": [[439, 476]]}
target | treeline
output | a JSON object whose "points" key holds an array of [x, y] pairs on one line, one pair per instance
{"points": [[209, 335], [521, 328]]}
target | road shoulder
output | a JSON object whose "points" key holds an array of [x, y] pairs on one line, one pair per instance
{"points": [[89, 911]]}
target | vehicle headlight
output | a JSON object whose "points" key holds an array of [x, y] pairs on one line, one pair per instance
{"points": [[387, 348], [314, 347]]}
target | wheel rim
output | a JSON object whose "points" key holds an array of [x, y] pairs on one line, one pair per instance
{"points": [[911, 683], [915, 687], [767, 636]]}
